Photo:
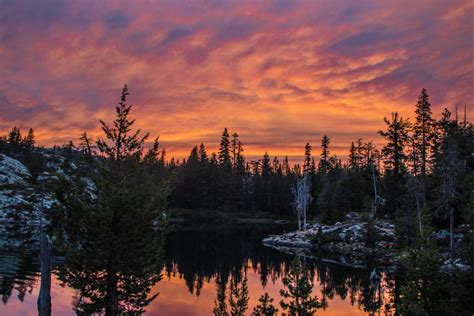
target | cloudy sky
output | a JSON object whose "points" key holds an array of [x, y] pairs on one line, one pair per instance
{"points": [[280, 73]]}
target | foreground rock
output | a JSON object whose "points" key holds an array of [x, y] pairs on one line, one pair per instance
{"points": [[24, 195]]}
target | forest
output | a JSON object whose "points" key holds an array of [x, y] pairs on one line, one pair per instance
{"points": [[421, 179], [426, 165]]}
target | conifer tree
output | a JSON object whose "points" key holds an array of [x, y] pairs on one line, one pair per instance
{"points": [[299, 291], [116, 238], [352, 157], [203, 157], [86, 145], [224, 150], [324, 162], [29, 140], [235, 148], [425, 289], [265, 306], [14, 139], [239, 298], [423, 130], [307, 158], [395, 155]]}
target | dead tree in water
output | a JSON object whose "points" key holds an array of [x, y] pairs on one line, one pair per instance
{"points": [[44, 297]]}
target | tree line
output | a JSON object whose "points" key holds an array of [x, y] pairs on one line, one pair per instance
{"points": [[422, 177], [425, 165]]}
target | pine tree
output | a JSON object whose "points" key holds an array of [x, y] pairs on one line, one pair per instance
{"points": [[224, 180], [286, 166], [423, 131], [299, 291], [449, 168], [224, 151], [204, 177], [14, 139], [121, 144], [307, 158], [113, 239], [394, 154], [353, 157], [265, 307], [235, 148], [29, 140], [203, 157], [220, 305], [424, 290], [324, 162], [239, 188], [239, 298], [86, 145]]}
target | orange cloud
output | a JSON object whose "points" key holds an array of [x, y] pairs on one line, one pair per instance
{"points": [[280, 74]]}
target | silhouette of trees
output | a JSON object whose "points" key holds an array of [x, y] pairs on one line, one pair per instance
{"points": [[299, 291], [265, 306], [113, 241]]}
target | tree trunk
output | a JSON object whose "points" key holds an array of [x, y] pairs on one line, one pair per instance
{"points": [[111, 296], [44, 297]]}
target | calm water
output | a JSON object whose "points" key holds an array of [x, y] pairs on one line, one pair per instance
{"points": [[198, 260]]}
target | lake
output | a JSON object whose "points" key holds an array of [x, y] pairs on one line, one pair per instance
{"points": [[199, 260]]}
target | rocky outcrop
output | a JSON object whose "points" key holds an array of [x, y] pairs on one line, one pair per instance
{"points": [[348, 241], [23, 196]]}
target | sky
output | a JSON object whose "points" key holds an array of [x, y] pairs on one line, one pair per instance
{"points": [[279, 73]]}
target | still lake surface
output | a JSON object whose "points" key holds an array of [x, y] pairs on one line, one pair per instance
{"points": [[197, 258]]}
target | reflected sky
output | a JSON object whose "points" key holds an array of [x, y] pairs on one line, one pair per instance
{"points": [[174, 299], [194, 254]]}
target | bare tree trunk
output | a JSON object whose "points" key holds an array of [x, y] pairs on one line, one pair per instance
{"points": [[44, 297], [299, 222]]}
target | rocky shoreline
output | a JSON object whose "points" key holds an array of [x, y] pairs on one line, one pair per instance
{"points": [[348, 243]]}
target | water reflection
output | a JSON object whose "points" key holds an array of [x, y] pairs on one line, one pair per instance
{"points": [[112, 263], [18, 261], [226, 253], [198, 266], [44, 297]]}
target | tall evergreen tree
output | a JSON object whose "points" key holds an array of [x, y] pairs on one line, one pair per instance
{"points": [[29, 140], [116, 238], [423, 130], [394, 155], [14, 138], [224, 150], [307, 158], [324, 162]]}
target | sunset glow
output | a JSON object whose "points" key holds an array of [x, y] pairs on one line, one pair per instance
{"points": [[280, 73]]}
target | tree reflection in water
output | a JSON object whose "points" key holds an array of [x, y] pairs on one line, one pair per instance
{"points": [[199, 255], [220, 254], [116, 274], [113, 237]]}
